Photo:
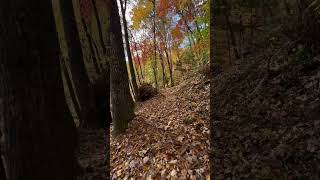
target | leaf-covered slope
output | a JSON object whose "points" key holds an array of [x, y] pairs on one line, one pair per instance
{"points": [[270, 121], [168, 138]]}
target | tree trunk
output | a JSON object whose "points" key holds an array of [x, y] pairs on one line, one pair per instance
{"points": [[154, 65], [121, 99], [139, 61], [97, 51], [107, 60], [40, 136], [232, 36], [101, 88], [80, 77], [94, 57], [215, 154], [2, 168], [168, 61], [162, 69], [126, 39], [70, 87], [96, 15]]}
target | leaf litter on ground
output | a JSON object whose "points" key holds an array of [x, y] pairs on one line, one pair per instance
{"points": [[168, 138]]}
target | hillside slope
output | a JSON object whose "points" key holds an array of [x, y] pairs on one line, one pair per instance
{"points": [[270, 119], [168, 139]]}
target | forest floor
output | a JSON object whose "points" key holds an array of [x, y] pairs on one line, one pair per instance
{"points": [[168, 138], [91, 154], [270, 119]]}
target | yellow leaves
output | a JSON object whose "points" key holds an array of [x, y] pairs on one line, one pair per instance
{"points": [[141, 12], [182, 4], [176, 33]]}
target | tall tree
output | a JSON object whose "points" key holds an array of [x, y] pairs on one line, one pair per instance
{"points": [[164, 78], [97, 17], [123, 6], [121, 99], [91, 46], [89, 115], [40, 136], [138, 56], [154, 65], [70, 87]]}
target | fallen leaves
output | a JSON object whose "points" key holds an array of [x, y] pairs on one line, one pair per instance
{"points": [[159, 144], [91, 153], [272, 133]]}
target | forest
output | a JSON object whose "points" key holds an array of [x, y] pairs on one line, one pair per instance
{"points": [[104, 89], [264, 97], [159, 89]]}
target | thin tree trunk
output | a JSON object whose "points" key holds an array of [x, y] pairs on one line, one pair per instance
{"points": [[121, 99], [169, 66], [131, 89], [139, 78], [97, 51], [126, 39], [70, 87], [162, 69], [187, 26], [93, 55], [139, 61], [40, 136], [97, 17], [195, 20], [80, 77], [154, 67], [168, 60]]}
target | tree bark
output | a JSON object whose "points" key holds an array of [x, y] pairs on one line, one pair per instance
{"points": [[94, 57], [215, 154], [97, 51], [80, 77], [101, 87], [96, 15], [168, 60], [107, 60], [232, 36], [2, 170], [70, 87], [40, 136], [126, 39], [154, 65], [136, 49], [162, 68], [121, 99]]}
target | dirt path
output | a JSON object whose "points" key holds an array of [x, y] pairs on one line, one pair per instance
{"points": [[168, 139]]}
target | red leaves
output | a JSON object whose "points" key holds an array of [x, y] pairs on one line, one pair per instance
{"points": [[163, 8]]}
